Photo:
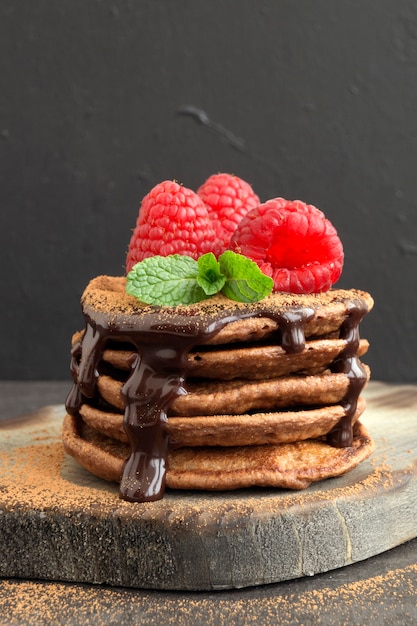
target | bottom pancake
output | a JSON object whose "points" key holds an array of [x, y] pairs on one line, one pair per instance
{"points": [[288, 465]]}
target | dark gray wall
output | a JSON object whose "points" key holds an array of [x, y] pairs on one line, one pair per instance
{"points": [[309, 99]]}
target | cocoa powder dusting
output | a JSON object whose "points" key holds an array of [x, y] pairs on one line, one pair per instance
{"points": [[388, 598]]}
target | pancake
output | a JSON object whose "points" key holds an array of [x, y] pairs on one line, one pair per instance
{"points": [[105, 294], [242, 396], [251, 363], [289, 466], [231, 430]]}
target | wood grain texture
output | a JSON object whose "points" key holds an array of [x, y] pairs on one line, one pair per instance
{"points": [[57, 522]]}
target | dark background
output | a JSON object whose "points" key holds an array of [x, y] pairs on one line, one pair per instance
{"points": [[100, 100]]}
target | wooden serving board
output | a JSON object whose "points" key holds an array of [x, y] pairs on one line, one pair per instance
{"points": [[58, 522]]}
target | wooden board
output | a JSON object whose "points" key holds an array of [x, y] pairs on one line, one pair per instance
{"points": [[57, 522]]}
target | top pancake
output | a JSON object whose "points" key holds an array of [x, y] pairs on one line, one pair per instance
{"points": [[106, 296]]}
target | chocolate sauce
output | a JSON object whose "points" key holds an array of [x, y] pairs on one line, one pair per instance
{"points": [[163, 340], [341, 436]]}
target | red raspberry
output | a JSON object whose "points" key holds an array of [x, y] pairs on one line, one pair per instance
{"points": [[293, 243], [172, 220], [227, 198]]}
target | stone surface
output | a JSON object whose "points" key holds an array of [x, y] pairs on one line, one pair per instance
{"points": [[59, 523]]}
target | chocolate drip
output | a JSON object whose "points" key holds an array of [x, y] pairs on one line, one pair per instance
{"points": [[75, 398], [291, 324], [157, 378], [85, 357], [163, 340], [341, 436]]}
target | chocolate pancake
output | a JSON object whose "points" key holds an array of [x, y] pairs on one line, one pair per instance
{"points": [[251, 363], [328, 310], [241, 396], [231, 430], [291, 466], [158, 387]]}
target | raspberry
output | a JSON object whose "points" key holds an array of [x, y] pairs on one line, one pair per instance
{"points": [[293, 243], [227, 198], [172, 220]]}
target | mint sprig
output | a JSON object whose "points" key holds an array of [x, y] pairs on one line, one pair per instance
{"points": [[178, 279]]}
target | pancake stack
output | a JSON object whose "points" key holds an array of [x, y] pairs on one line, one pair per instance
{"points": [[217, 395]]}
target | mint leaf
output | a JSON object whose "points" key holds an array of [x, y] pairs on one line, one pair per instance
{"points": [[165, 281], [244, 280], [178, 279], [210, 278]]}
